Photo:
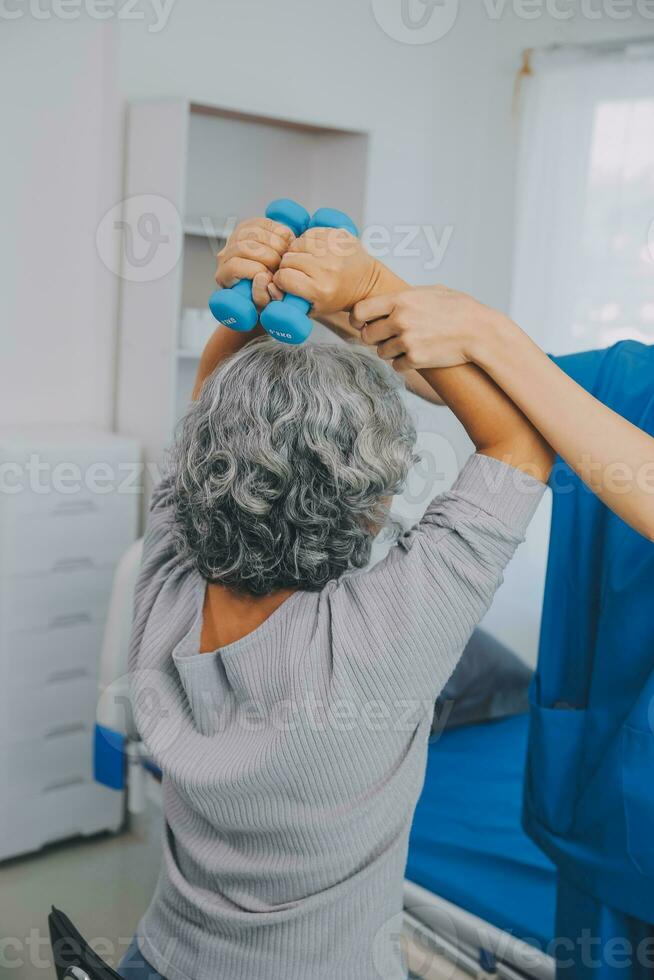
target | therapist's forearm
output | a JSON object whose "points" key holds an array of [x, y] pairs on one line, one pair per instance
{"points": [[339, 324], [220, 345], [495, 425], [612, 456]]}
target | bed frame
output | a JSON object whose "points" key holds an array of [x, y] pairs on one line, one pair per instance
{"points": [[438, 930]]}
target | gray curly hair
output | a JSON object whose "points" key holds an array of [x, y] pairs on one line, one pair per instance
{"points": [[283, 467]]}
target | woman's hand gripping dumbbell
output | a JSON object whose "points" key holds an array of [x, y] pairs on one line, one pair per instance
{"points": [[246, 263], [326, 267]]}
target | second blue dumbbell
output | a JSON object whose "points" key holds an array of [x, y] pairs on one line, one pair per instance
{"points": [[287, 319], [234, 307]]}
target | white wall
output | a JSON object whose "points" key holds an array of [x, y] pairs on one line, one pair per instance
{"points": [[440, 114], [441, 149], [59, 171]]}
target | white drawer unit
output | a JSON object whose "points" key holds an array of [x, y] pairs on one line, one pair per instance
{"points": [[47, 654], [49, 540], [81, 807], [50, 599], [48, 709], [69, 504]]}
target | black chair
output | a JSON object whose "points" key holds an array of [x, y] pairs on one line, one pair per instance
{"points": [[73, 958]]}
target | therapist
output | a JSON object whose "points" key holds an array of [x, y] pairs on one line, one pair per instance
{"points": [[589, 800]]}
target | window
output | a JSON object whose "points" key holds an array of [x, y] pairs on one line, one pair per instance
{"points": [[584, 258]]}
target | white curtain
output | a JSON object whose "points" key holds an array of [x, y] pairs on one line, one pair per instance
{"points": [[583, 274]]}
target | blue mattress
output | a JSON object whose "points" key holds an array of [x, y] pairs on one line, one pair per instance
{"points": [[467, 844]]}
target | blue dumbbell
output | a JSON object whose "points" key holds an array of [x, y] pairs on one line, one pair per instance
{"points": [[287, 319], [234, 307]]}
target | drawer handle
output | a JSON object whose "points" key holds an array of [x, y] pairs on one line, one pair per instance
{"points": [[67, 507], [66, 675], [69, 619], [64, 784], [72, 564], [60, 730]]}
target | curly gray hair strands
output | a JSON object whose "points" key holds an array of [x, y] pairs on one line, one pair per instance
{"points": [[282, 466]]}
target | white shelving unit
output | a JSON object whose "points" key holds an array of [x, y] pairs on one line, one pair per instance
{"points": [[215, 167]]}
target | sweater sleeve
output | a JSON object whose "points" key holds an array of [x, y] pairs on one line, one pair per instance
{"points": [[158, 561], [407, 621]]}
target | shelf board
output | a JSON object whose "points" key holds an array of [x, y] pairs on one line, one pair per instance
{"points": [[204, 109], [207, 228]]}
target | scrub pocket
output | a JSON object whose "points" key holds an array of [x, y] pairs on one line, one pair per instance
{"points": [[638, 796], [556, 739]]}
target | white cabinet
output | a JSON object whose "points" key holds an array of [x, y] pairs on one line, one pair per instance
{"points": [[69, 500]]}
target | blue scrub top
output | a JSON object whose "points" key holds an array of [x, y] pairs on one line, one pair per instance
{"points": [[589, 788]]}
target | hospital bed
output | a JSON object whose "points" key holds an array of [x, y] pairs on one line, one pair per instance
{"points": [[478, 893], [477, 889]]}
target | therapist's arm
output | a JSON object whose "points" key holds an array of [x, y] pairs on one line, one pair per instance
{"points": [[422, 328]]}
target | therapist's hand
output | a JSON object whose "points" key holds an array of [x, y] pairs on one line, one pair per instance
{"points": [[254, 251], [331, 269], [430, 327]]}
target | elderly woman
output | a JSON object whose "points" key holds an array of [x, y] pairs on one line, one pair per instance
{"points": [[287, 701]]}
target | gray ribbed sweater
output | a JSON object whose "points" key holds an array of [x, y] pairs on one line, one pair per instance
{"points": [[294, 757]]}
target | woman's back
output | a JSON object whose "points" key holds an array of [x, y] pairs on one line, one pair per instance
{"points": [[294, 756]]}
